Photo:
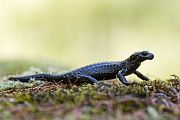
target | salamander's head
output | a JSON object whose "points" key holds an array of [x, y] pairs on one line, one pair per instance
{"points": [[141, 56]]}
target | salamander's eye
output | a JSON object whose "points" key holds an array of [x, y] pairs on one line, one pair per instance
{"points": [[144, 53]]}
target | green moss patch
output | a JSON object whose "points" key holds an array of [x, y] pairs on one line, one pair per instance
{"points": [[154, 99]]}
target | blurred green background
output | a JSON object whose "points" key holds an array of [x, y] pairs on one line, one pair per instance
{"points": [[79, 32]]}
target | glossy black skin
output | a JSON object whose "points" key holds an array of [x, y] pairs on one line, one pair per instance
{"points": [[96, 72]]}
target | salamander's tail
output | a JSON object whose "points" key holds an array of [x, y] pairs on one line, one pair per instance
{"points": [[43, 77]]}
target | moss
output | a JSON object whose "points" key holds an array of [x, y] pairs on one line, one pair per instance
{"points": [[43, 100]]}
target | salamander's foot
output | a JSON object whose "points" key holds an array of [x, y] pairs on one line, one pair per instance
{"points": [[104, 84], [108, 85], [130, 83]]}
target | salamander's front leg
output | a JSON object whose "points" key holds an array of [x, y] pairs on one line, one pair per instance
{"points": [[121, 77], [140, 75]]}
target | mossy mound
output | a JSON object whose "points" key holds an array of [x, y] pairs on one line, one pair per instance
{"points": [[43, 100]]}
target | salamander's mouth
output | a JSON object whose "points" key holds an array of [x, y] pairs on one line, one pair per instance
{"points": [[150, 56]]}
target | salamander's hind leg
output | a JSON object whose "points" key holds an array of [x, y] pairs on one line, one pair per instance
{"points": [[85, 78]]}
